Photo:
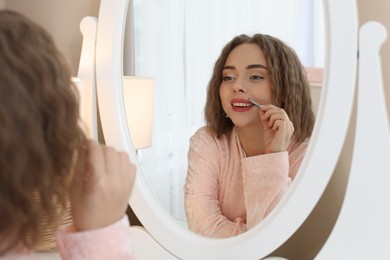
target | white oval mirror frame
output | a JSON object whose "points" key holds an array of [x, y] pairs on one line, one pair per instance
{"points": [[312, 178]]}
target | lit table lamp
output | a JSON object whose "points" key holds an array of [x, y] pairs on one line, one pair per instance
{"points": [[138, 95]]}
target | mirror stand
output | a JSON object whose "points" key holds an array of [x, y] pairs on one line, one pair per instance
{"points": [[363, 229]]}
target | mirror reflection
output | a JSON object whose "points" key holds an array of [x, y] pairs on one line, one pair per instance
{"points": [[178, 43], [258, 124]]}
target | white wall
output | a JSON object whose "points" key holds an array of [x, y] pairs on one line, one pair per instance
{"points": [[61, 19]]}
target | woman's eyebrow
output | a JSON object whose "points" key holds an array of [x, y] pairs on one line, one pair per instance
{"points": [[229, 68], [256, 66], [252, 66]]}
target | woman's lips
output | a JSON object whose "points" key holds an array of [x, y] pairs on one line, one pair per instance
{"points": [[241, 105]]}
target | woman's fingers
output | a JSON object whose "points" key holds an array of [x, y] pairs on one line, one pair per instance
{"points": [[96, 159], [127, 167], [278, 124], [112, 160], [80, 168], [277, 116], [278, 128], [101, 188], [272, 114]]}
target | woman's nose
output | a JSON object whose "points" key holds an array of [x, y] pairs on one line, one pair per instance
{"points": [[238, 86]]}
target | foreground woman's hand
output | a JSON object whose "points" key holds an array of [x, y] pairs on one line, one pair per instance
{"points": [[278, 129], [101, 186]]}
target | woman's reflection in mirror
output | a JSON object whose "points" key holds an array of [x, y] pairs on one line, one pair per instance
{"points": [[242, 162]]}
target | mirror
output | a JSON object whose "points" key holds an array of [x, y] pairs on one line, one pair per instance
{"points": [[313, 175], [177, 44]]}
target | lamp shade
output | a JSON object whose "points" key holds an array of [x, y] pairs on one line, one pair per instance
{"points": [[138, 95]]}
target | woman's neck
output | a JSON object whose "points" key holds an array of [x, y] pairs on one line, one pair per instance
{"points": [[252, 139]]}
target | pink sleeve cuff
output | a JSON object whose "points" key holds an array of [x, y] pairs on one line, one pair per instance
{"points": [[265, 180], [277, 163], [110, 242]]}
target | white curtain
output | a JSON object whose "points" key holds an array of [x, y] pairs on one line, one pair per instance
{"points": [[177, 43]]}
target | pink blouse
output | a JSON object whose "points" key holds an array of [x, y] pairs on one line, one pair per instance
{"points": [[227, 193]]}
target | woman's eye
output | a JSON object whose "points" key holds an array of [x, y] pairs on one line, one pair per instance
{"points": [[227, 78], [256, 77]]}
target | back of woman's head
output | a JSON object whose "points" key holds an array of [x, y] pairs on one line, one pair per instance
{"points": [[39, 131]]}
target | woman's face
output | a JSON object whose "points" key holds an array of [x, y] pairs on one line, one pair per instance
{"points": [[245, 75]]}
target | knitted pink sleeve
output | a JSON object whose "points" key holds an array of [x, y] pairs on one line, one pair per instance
{"points": [[110, 242], [267, 178]]}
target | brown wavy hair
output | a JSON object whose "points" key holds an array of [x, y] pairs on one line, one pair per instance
{"points": [[290, 86], [39, 133]]}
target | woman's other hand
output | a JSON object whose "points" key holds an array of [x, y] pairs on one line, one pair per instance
{"points": [[101, 186]]}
